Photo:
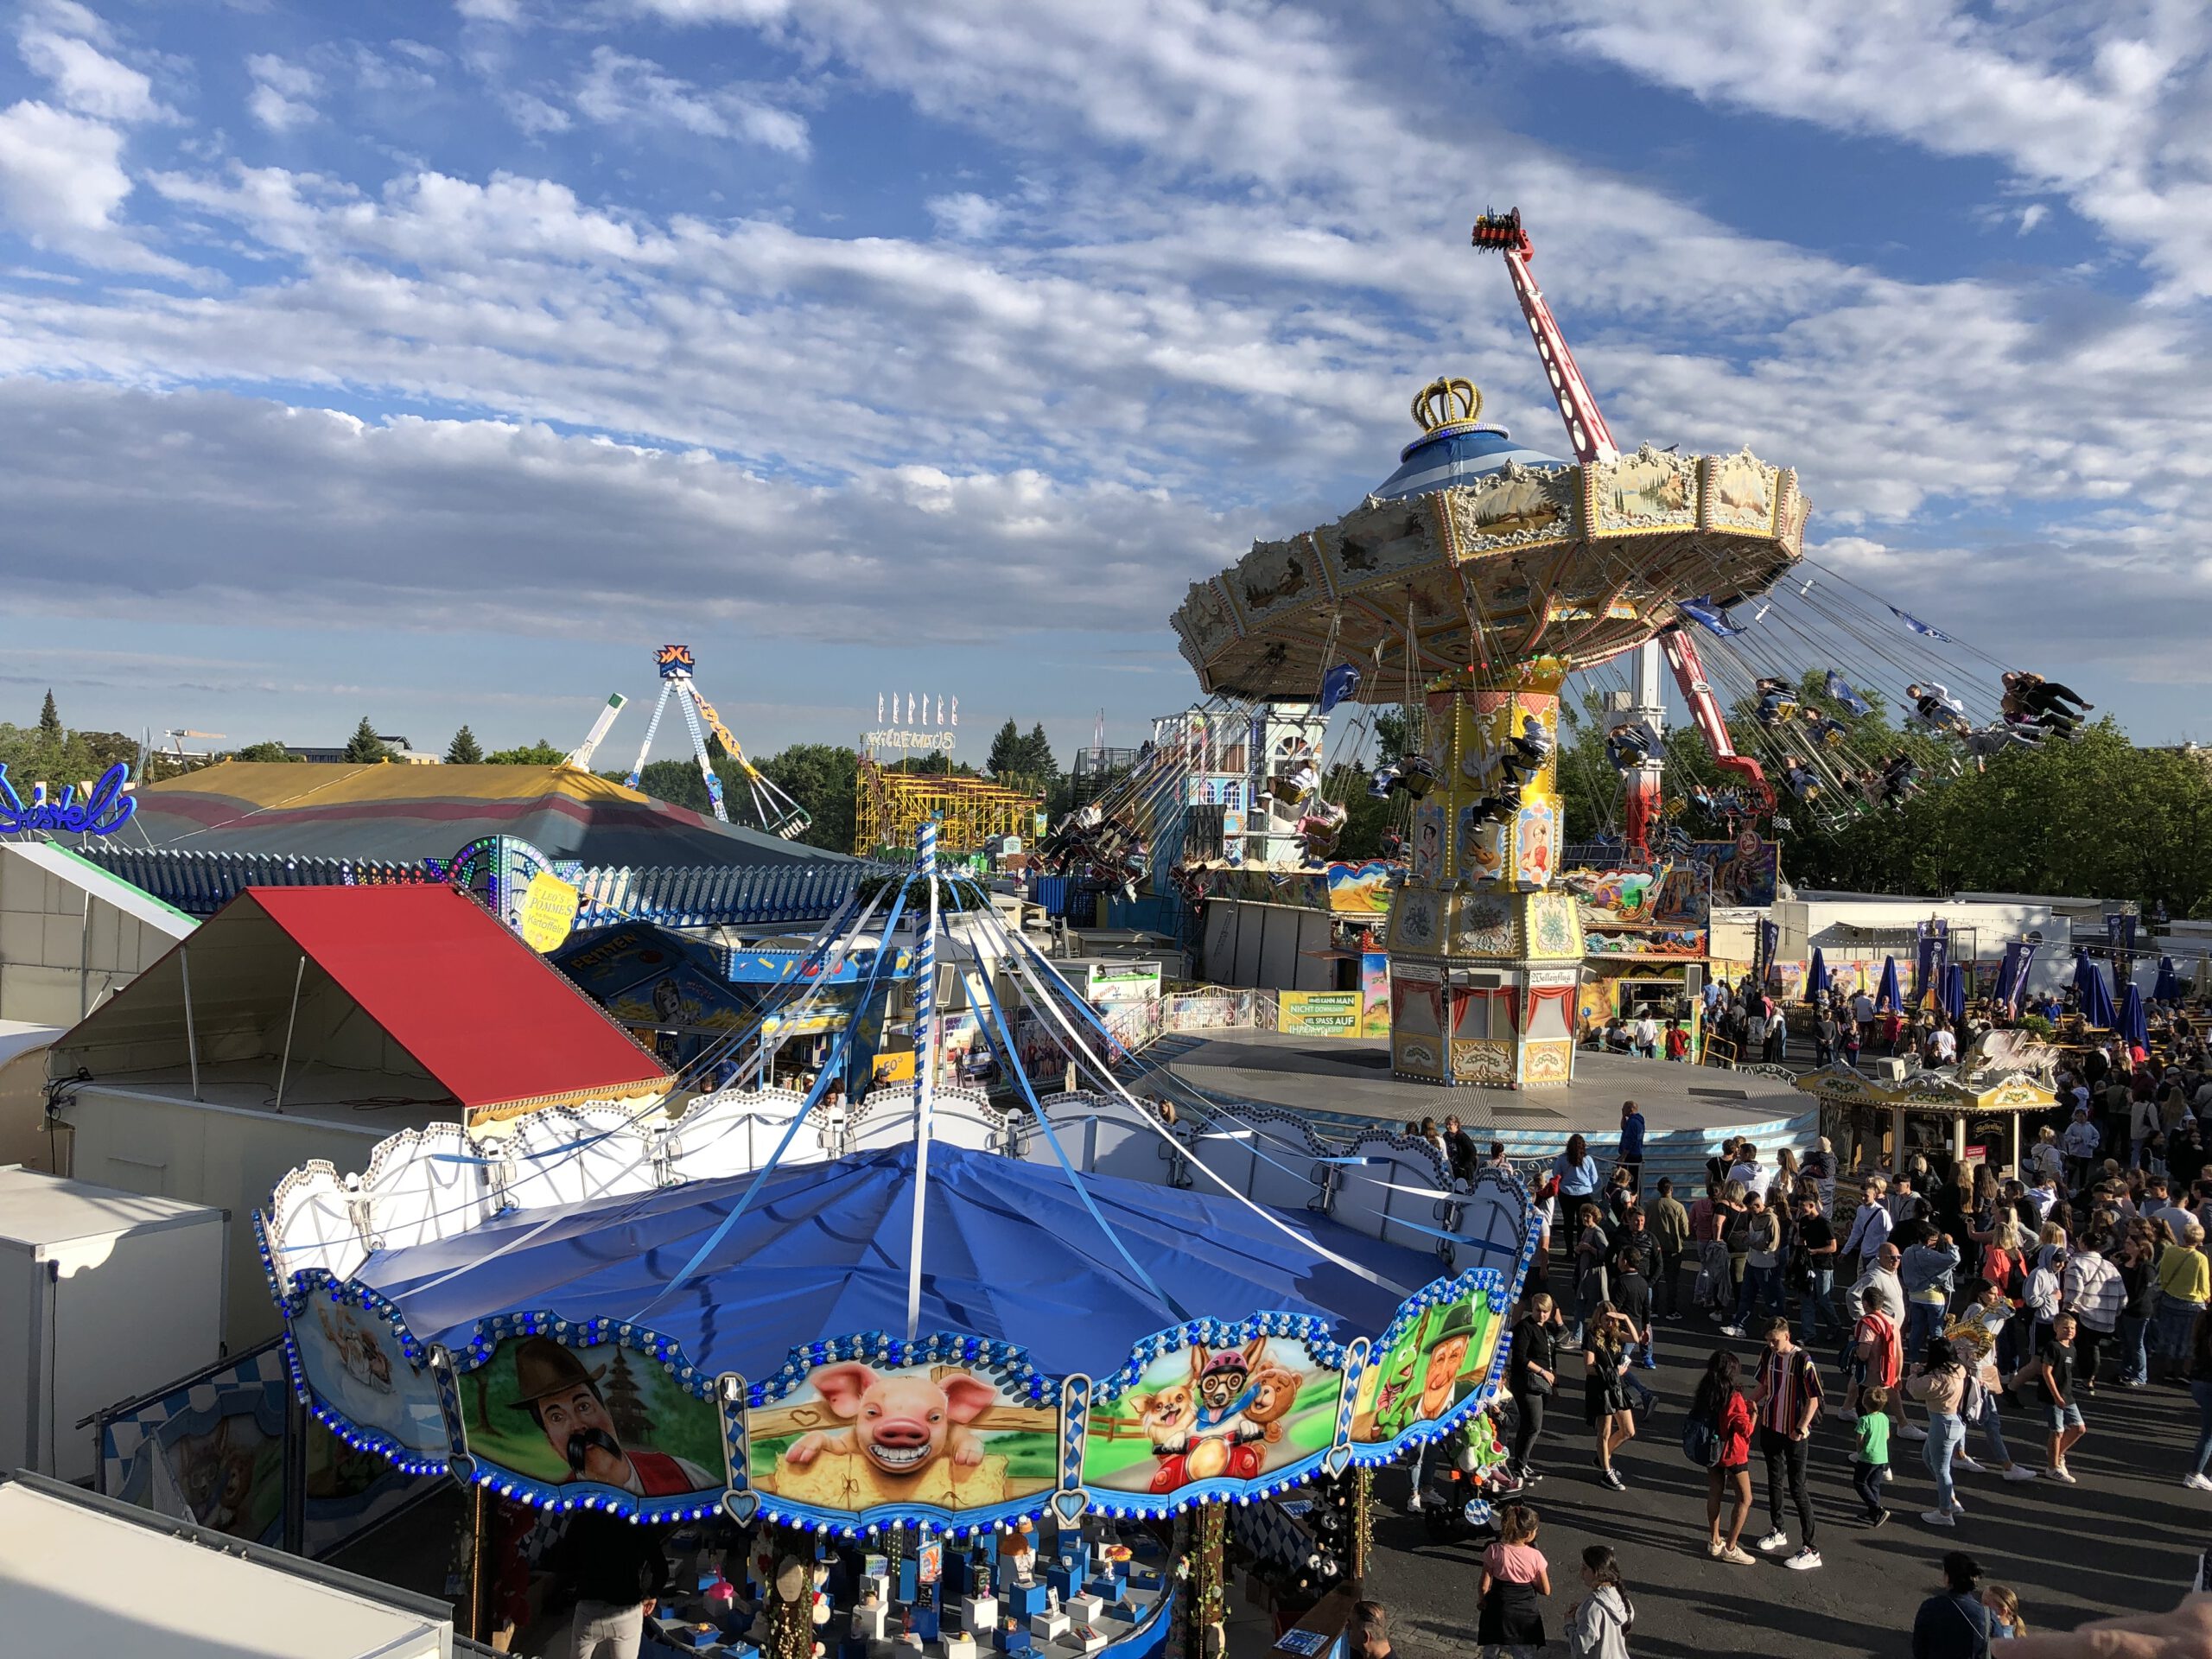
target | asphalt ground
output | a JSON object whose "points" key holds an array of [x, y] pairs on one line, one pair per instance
{"points": [[2123, 1539]]}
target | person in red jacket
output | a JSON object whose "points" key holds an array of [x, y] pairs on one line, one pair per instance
{"points": [[1720, 1402]]}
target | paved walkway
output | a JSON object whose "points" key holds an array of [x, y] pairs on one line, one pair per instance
{"points": [[2123, 1539]]}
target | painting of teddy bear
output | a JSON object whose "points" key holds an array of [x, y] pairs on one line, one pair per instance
{"points": [[1197, 1413]]}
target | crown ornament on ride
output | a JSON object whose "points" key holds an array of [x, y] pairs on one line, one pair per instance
{"points": [[1446, 404]]}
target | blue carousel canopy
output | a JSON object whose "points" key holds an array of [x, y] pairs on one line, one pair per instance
{"points": [[1459, 452], [1010, 1253]]}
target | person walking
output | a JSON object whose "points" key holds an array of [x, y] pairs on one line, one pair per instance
{"points": [[1939, 1382], [2053, 1377], [2092, 1290], [1762, 1286], [1953, 1623], [1598, 1625], [1786, 1404], [1632, 1146], [1532, 1378], [1515, 1578], [1604, 1389], [1870, 1456], [2185, 1288], [1927, 1272], [1869, 1229], [1720, 1403], [1669, 1225], [1815, 1254], [2199, 1390]]}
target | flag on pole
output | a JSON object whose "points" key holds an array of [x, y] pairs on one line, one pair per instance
{"points": [[879, 708], [1841, 689], [955, 711], [1919, 627]]}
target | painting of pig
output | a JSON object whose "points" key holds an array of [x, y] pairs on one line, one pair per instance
{"points": [[852, 1437]]}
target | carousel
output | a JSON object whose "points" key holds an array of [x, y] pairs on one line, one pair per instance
{"points": [[938, 1370]]}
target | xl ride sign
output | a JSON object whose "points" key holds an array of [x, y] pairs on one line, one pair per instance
{"points": [[106, 807]]}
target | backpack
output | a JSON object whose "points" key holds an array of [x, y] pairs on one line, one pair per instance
{"points": [[1701, 1442]]}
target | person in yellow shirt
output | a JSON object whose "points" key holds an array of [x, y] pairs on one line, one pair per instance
{"points": [[2185, 1286]]}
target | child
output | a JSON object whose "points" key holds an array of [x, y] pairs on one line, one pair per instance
{"points": [[1598, 1625], [1870, 1461], [1515, 1574], [2004, 1611]]}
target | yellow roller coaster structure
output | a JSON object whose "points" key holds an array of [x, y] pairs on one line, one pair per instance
{"points": [[890, 805]]}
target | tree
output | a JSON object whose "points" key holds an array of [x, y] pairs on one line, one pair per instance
{"points": [[820, 777], [365, 747], [1037, 756], [540, 754], [1007, 751], [49, 719], [823, 778], [464, 750], [270, 751]]}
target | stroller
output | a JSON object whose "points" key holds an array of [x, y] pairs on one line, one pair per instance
{"points": [[1466, 1483]]}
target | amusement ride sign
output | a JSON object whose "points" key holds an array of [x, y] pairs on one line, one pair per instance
{"points": [[107, 806], [922, 728]]}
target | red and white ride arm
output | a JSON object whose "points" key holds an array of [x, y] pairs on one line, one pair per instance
{"points": [[1689, 674]]}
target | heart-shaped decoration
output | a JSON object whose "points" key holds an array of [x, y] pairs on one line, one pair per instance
{"points": [[1068, 1506], [1335, 1459], [741, 1506]]}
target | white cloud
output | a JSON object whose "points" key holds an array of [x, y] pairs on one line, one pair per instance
{"points": [[86, 78], [425, 523], [2104, 103], [620, 91], [284, 92], [61, 184], [533, 114], [713, 11], [964, 214], [2032, 215]]}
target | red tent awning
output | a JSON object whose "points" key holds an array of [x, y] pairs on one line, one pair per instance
{"points": [[479, 1009]]}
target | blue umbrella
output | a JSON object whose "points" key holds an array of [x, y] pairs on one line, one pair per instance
{"points": [[1954, 992], [2167, 990], [1816, 976], [1887, 996], [2096, 996], [2132, 1026]]}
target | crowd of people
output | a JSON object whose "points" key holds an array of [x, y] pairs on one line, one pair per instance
{"points": [[1970, 1316]]}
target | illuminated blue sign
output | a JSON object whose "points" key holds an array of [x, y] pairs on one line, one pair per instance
{"points": [[102, 812]]}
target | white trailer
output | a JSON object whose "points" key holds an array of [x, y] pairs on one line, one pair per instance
{"points": [[103, 1295]]}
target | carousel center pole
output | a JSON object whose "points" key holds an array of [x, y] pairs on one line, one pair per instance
{"points": [[924, 1067]]}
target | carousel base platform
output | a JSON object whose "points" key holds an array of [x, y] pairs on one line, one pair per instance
{"points": [[1344, 1088]]}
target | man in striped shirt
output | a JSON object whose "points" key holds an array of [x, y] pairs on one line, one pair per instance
{"points": [[1788, 1400], [2094, 1294]]}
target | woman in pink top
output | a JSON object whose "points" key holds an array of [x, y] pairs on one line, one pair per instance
{"points": [[1514, 1575]]}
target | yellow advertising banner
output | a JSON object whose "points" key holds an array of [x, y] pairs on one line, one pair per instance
{"points": [[548, 911], [1320, 1014]]}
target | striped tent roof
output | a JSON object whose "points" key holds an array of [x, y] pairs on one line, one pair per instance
{"points": [[403, 812]]}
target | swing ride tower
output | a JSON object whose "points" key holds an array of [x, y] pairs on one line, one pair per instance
{"points": [[1468, 586]]}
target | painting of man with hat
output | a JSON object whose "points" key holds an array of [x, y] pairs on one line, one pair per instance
{"points": [[562, 1397]]}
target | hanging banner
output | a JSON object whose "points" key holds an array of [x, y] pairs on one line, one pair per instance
{"points": [[1931, 956], [1320, 1014], [857, 1442], [2012, 975], [603, 1416], [1240, 1408], [1435, 1358], [548, 911], [2120, 936]]}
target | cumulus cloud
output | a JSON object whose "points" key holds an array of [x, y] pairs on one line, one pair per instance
{"points": [[284, 92], [62, 184], [86, 79]]}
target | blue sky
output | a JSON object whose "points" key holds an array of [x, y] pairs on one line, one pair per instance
{"points": [[437, 361]]}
